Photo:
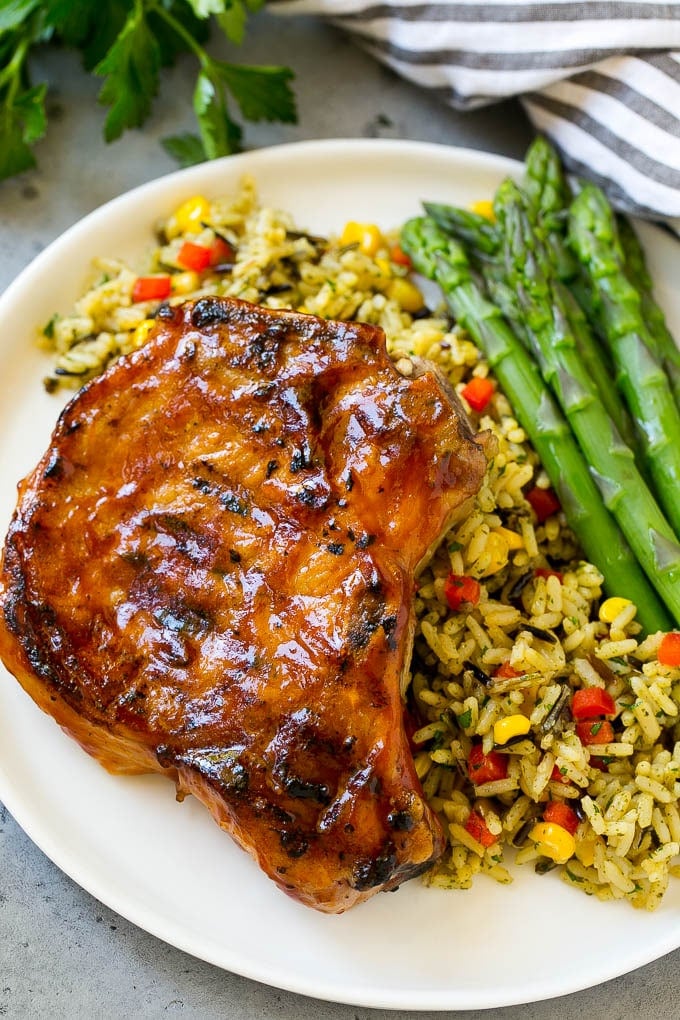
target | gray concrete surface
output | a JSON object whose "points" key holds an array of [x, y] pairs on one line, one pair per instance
{"points": [[62, 954]]}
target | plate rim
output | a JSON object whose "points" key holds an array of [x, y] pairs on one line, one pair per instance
{"points": [[167, 929]]}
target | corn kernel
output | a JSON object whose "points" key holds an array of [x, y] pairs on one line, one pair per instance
{"points": [[497, 550], [585, 851], [188, 217], [611, 608], [384, 267], [185, 283], [553, 841], [509, 727], [513, 540], [484, 208], [141, 333], [406, 294], [366, 235]]}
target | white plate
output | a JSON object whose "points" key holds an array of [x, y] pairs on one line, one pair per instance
{"points": [[167, 867]]}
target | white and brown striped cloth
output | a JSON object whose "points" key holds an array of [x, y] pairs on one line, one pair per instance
{"points": [[600, 78]]}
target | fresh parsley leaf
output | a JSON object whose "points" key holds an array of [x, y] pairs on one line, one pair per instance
{"points": [[437, 741], [30, 108], [187, 149], [262, 93], [91, 28], [169, 39], [204, 8], [109, 21], [7, 51], [131, 68], [219, 134], [22, 123], [73, 19], [233, 22], [48, 328], [126, 42], [15, 155], [464, 719], [14, 12]]}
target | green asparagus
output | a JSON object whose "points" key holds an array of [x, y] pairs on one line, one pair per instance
{"points": [[441, 258], [611, 462], [640, 376], [638, 274], [476, 231], [545, 184], [548, 197], [481, 240]]}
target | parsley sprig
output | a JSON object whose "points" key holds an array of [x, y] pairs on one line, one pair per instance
{"points": [[127, 43]]}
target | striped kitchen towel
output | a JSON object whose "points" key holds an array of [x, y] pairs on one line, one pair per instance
{"points": [[600, 78]]}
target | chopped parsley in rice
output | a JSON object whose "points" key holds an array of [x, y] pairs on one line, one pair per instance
{"points": [[543, 723]]}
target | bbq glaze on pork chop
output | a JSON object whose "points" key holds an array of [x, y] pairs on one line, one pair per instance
{"points": [[210, 575]]}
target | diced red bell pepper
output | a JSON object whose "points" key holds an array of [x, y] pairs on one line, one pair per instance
{"points": [[479, 830], [478, 392], [561, 814], [486, 768], [194, 256], [151, 288], [399, 256], [595, 731], [592, 702], [506, 672], [544, 572], [669, 649], [221, 252], [543, 502], [557, 776], [459, 589]]}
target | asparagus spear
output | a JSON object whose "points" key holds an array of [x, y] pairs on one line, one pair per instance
{"points": [[439, 257], [640, 376], [594, 359], [638, 274], [505, 298], [477, 232], [481, 240], [547, 191], [548, 198], [611, 462], [546, 186]]}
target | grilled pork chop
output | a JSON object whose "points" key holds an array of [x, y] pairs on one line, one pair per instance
{"points": [[210, 575]]}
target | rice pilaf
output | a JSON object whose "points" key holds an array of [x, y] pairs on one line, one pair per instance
{"points": [[505, 759]]}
